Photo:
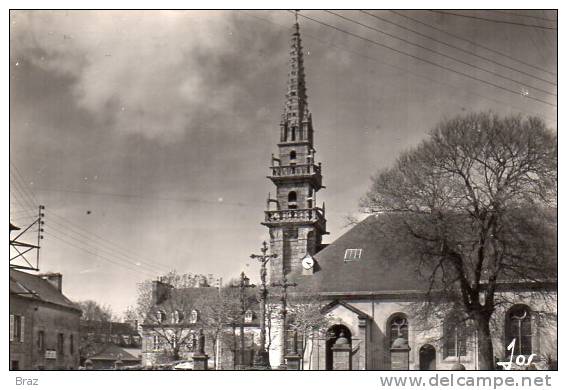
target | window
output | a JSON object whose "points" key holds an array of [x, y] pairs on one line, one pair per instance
{"points": [[519, 327], [194, 316], [71, 345], [41, 340], [353, 254], [60, 343], [293, 128], [292, 200], [398, 327], [15, 365], [155, 342], [160, 316], [176, 317], [248, 316], [292, 155], [454, 337], [17, 328]]}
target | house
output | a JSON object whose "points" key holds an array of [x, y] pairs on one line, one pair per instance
{"points": [[44, 323], [101, 340]]}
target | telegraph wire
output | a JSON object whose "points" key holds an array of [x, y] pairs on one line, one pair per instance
{"points": [[493, 20], [89, 235], [443, 54], [97, 255], [474, 43], [425, 60], [459, 48], [418, 75], [522, 15], [107, 252]]}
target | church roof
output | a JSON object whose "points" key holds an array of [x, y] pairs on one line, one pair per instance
{"points": [[371, 270]]}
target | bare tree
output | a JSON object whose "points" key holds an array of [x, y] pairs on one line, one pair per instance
{"points": [[475, 205], [174, 318], [307, 318], [217, 311]]}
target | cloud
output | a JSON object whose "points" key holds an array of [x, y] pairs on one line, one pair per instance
{"points": [[159, 74]]}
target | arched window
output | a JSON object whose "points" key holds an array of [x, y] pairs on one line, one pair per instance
{"points": [[292, 200], [454, 336], [160, 316], [194, 316], [176, 317], [398, 327], [519, 327], [293, 129], [292, 156]]}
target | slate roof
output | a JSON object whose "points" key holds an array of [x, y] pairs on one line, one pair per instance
{"points": [[34, 287], [114, 352], [377, 271]]}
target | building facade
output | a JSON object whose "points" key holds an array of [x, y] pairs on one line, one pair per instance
{"points": [[44, 324]]}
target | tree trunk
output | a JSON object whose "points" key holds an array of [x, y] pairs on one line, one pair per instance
{"points": [[485, 350]]}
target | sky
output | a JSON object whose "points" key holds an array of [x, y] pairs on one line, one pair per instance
{"points": [[147, 135]]}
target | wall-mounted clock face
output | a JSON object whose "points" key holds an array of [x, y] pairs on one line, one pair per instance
{"points": [[307, 262]]}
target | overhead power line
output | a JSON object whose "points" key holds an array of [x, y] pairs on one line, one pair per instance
{"points": [[522, 15], [443, 54], [493, 20], [500, 53], [425, 60], [459, 48], [405, 70]]}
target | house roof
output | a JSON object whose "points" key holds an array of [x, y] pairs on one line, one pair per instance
{"points": [[114, 352], [377, 270], [115, 328], [34, 287]]}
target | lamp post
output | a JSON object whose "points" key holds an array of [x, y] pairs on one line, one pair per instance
{"points": [[284, 285], [263, 359], [243, 284]]}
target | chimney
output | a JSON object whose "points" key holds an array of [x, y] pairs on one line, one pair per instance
{"points": [[55, 279], [160, 291]]}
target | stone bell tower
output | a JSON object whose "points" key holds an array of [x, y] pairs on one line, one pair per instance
{"points": [[295, 221]]}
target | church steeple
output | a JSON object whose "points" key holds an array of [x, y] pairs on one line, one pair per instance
{"points": [[295, 221], [296, 119]]}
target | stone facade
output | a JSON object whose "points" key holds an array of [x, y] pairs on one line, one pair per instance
{"points": [[44, 326]]}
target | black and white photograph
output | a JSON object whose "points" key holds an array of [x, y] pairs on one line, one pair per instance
{"points": [[284, 190]]}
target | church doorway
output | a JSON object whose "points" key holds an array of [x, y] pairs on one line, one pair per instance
{"points": [[427, 357], [333, 334]]}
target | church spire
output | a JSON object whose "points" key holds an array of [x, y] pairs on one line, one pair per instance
{"points": [[296, 119]]}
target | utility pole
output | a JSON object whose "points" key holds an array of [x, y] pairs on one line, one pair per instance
{"points": [[284, 285], [243, 284], [263, 358]]}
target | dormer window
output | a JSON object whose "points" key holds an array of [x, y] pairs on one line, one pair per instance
{"points": [[248, 316], [176, 317], [160, 316], [194, 316], [353, 254]]}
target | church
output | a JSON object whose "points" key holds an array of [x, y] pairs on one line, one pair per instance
{"points": [[369, 296]]}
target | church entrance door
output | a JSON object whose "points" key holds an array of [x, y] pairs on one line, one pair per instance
{"points": [[332, 335]]}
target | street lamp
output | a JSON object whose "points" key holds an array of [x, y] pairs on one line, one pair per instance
{"points": [[262, 359]]}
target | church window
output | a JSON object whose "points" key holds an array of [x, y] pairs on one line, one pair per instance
{"points": [[293, 129], [353, 254], [292, 200], [176, 317], [454, 336], [398, 327], [519, 327], [292, 155]]}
